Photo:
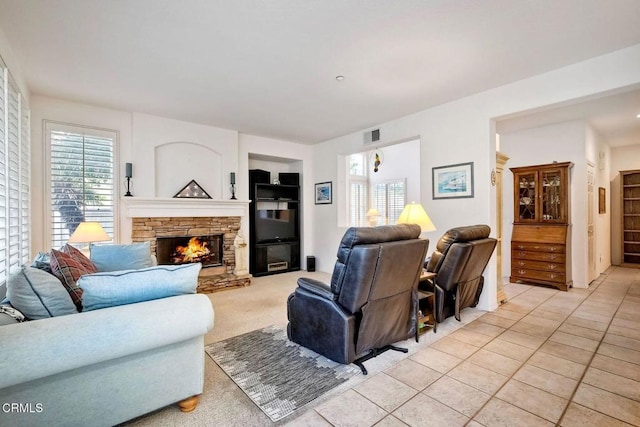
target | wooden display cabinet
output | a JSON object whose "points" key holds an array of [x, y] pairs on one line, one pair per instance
{"points": [[630, 192], [541, 229]]}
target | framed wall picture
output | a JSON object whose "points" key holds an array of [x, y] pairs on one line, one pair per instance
{"points": [[324, 193], [453, 181], [602, 200]]}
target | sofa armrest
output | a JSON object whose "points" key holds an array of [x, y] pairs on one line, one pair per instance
{"points": [[41, 348], [317, 287]]}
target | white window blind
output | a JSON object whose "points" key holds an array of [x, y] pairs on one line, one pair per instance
{"points": [[358, 189], [389, 199], [358, 203], [14, 176], [81, 179], [3, 175], [25, 178]]}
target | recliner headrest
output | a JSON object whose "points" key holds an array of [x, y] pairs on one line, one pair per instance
{"points": [[463, 234], [458, 234], [355, 236], [384, 233]]}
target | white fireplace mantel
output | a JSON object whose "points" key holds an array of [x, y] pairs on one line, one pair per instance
{"points": [[159, 207]]}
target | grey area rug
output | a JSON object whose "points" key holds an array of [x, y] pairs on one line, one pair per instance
{"points": [[278, 376]]}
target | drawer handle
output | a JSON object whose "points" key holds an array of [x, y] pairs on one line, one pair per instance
{"points": [[536, 247], [522, 254], [552, 276], [520, 246], [521, 263], [552, 257], [553, 249], [522, 271], [552, 266]]}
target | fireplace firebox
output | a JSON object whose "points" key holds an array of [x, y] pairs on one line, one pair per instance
{"points": [[190, 249]]}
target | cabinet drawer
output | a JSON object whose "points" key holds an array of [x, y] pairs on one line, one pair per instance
{"points": [[533, 275], [538, 265], [538, 256], [537, 247]]}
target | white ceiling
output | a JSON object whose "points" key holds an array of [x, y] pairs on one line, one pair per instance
{"points": [[268, 67]]}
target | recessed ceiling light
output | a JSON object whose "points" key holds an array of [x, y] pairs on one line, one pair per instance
{"points": [[339, 78], [638, 116]]}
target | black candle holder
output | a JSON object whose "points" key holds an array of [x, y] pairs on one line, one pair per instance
{"points": [[233, 192], [128, 193]]}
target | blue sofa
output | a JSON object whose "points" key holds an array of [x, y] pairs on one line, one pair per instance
{"points": [[106, 366]]}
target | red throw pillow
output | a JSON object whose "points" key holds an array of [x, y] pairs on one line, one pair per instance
{"points": [[68, 270], [80, 257]]}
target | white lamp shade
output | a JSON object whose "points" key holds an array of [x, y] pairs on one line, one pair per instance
{"points": [[372, 217], [414, 213], [372, 213], [88, 232]]}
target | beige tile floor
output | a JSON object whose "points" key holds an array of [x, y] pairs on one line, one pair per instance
{"points": [[544, 358]]}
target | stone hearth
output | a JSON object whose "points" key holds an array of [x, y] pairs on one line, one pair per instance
{"points": [[213, 278]]}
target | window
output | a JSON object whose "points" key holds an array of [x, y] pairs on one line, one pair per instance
{"points": [[14, 176], [358, 184], [389, 199], [388, 196], [81, 179]]}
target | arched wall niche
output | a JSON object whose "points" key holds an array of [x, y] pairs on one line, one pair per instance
{"points": [[177, 163]]}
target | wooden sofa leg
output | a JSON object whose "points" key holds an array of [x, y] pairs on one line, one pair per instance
{"points": [[189, 404]]}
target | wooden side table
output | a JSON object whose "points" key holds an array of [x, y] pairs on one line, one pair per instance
{"points": [[426, 318]]}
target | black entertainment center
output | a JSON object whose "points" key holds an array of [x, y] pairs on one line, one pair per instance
{"points": [[274, 217]]}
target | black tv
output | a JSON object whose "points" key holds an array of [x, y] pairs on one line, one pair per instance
{"points": [[276, 225]]}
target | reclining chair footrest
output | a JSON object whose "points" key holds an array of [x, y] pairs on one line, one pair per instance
{"points": [[374, 353]]}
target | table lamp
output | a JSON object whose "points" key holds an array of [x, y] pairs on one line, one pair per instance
{"points": [[89, 232], [414, 213], [372, 217]]}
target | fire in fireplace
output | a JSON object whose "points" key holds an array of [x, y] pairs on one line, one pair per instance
{"points": [[191, 249]]}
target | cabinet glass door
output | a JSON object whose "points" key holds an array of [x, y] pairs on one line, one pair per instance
{"points": [[551, 181], [526, 196]]}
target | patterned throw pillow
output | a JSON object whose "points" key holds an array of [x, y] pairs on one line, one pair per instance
{"points": [[80, 257], [68, 270]]}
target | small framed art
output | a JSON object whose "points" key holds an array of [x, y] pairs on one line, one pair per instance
{"points": [[602, 200], [324, 194], [453, 181]]}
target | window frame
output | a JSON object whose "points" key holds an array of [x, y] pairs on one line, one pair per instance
{"points": [[48, 127]]}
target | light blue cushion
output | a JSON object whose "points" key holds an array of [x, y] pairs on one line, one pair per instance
{"points": [[121, 257], [38, 294], [108, 289]]}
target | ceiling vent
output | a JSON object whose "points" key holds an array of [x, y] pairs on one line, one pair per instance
{"points": [[372, 136]]}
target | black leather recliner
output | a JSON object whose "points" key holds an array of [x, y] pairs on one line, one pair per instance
{"points": [[459, 260], [372, 300]]}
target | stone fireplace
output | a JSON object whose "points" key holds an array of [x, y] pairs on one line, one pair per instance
{"points": [[210, 226]]}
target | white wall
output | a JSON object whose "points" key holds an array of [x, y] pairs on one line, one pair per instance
{"points": [[194, 144], [599, 152], [462, 131], [12, 62], [622, 159]]}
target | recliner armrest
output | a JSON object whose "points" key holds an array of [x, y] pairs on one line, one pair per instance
{"points": [[317, 287]]}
